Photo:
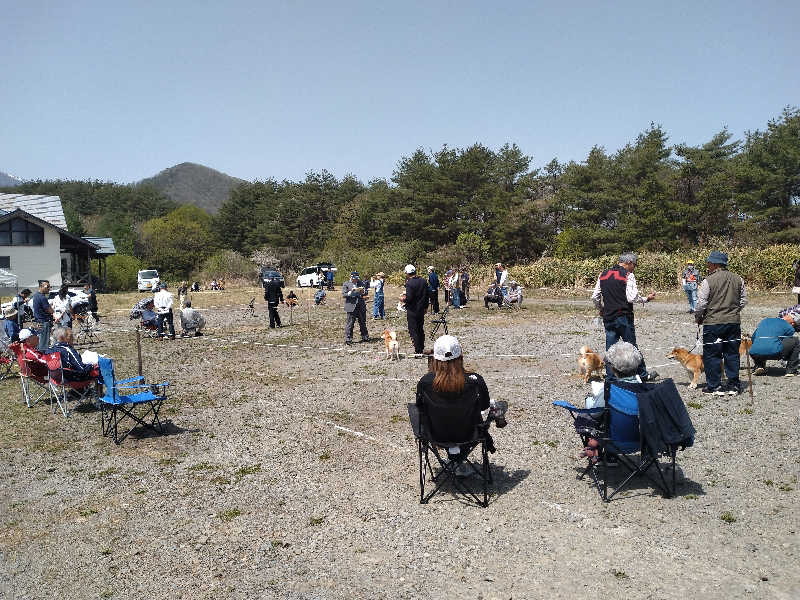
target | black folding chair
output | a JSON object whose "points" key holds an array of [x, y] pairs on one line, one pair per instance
{"points": [[440, 321], [441, 425], [141, 408], [615, 433]]}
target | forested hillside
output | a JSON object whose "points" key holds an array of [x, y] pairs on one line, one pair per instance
{"points": [[189, 183], [469, 205]]}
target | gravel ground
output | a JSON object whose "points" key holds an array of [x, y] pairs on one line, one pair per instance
{"points": [[289, 472]]}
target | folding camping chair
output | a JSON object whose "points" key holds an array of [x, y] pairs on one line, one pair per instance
{"points": [[515, 304], [250, 309], [86, 333], [33, 376], [62, 388], [464, 429], [440, 321], [617, 434], [141, 408]]}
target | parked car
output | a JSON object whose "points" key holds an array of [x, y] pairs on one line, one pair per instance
{"points": [[76, 295], [146, 280], [310, 276], [269, 274]]}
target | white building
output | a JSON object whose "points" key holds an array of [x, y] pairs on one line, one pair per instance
{"points": [[35, 243]]}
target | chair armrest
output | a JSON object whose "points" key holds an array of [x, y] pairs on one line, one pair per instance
{"points": [[130, 379]]}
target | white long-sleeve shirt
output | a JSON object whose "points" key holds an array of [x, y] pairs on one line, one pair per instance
{"points": [[162, 302]]}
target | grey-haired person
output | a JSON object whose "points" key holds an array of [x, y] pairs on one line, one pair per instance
{"points": [[614, 295]]}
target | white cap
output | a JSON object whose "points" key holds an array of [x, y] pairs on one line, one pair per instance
{"points": [[446, 348], [24, 334], [430, 268], [410, 269]]}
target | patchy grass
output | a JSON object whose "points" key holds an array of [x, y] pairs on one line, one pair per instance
{"points": [[696, 405], [247, 470], [229, 515], [728, 517], [325, 455], [315, 521]]}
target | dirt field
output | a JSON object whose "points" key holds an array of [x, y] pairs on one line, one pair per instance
{"points": [[290, 472]]}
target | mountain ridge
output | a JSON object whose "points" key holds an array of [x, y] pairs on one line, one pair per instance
{"points": [[192, 183]]}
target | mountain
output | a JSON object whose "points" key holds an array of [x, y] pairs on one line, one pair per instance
{"points": [[190, 183], [7, 180]]}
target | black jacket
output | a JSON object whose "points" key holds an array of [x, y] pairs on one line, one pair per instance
{"points": [[272, 293], [663, 419], [416, 295]]}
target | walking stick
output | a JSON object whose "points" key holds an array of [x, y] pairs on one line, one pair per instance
{"points": [[749, 374], [139, 350]]}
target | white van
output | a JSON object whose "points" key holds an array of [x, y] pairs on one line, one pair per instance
{"points": [[146, 280], [309, 277]]}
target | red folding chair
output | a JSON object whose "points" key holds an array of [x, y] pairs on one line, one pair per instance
{"points": [[61, 387], [33, 375]]}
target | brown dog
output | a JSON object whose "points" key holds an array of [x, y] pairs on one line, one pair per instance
{"points": [[693, 363], [588, 363], [390, 341]]}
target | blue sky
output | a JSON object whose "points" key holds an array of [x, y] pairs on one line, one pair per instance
{"points": [[118, 91]]}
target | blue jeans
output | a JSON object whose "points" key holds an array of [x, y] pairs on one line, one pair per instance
{"points": [[44, 335], [456, 298], [377, 307], [728, 348], [621, 328], [691, 294]]}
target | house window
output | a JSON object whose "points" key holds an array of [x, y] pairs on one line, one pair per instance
{"points": [[19, 232], [5, 262]]}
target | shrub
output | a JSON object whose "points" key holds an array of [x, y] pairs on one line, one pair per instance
{"points": [[762, 268], [229, 265], [122, 270]]}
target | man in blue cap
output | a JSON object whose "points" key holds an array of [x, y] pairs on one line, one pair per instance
{"points": [[353, 292], [720, 300]]}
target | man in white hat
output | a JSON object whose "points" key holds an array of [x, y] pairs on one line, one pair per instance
{"points": [[416, 306]]}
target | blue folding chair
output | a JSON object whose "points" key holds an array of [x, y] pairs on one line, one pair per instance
{"points": [[141, 408], [619, 436]]}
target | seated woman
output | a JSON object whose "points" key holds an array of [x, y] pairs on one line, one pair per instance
{"points": [[514, 293], [71, 362], [453, 385], [291, 298], [319, 297], [624, 359], [30, 344], [493, 295]]}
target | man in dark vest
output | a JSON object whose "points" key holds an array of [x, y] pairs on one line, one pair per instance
{"points": [[720, 300], [614, 295]]}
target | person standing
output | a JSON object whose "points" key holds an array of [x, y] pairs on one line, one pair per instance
{"points": [[447, 275], [88, 289], [274, 296], [690, 279], [62, 307], [465, 283], [353, 292], [43, 314], [433, 290], [19, 305], [614, 295], [455, 288], [416, 305], [162, 302], [377, 282], [720, 300]]}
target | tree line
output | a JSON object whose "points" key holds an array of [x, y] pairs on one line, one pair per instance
{"points": [[473, 204]]}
